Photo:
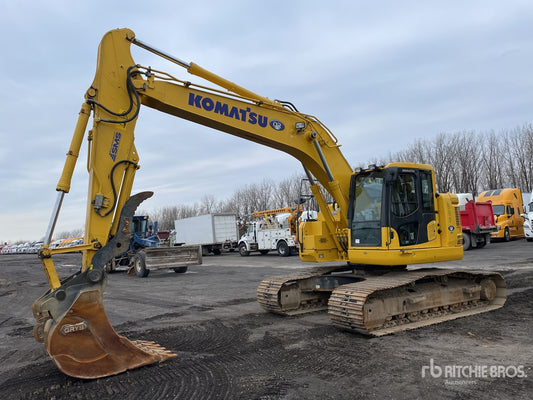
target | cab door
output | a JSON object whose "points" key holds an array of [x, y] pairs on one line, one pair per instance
{"points": [[411, 206]]}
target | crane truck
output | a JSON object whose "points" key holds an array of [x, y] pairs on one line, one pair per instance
{"points": [[277, 229], [384, 218]]}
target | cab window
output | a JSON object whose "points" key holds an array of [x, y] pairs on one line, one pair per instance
{"points": [[366, 220], [404, 195]]}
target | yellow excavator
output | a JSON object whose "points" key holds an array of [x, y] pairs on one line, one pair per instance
{"points": [[383, 218]]}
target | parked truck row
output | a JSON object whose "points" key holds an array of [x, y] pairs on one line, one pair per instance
{"points": [[495, 215], [270, 230]]}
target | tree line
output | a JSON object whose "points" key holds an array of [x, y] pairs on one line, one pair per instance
{"points": [[264, 195], [464, 162], [472, 162]]}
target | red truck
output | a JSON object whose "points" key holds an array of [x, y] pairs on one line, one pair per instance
{"points": [[477, 220]]}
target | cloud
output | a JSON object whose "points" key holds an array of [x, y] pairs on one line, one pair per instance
{"points": [[378, 75]]}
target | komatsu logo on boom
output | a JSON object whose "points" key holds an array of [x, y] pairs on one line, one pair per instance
{"points": [[114, 146], [240, 114]]}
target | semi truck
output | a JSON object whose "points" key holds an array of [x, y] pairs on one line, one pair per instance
{"points": [[528, 219], [508, 209], [477, 221], [213, 232]]}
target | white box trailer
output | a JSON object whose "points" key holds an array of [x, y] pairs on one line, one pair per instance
{"points": [[214, 232]]}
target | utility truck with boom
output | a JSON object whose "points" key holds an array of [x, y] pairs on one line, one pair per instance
{"points": [[383, 219], [276, 229]]}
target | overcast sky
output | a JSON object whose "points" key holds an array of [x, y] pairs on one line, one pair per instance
{"points": [[379, 74]]}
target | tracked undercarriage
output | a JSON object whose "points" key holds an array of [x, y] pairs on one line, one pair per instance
{"points": [[383, 304]]}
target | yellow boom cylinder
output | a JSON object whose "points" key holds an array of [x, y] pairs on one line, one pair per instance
{"points": [[74, 149]]}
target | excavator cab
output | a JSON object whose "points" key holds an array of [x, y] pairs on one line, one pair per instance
{"points": [[398, 199], [394, 208], [394, 217]]}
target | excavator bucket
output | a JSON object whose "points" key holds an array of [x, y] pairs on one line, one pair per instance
{"points": [[74, 328], [82, 342]]}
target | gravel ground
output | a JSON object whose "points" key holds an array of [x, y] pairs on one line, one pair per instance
{"points": [[229, 348]]}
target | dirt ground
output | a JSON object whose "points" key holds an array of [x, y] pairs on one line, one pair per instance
{"points": [[229, 348]]}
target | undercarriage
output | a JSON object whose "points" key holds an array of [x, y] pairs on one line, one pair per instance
{"points": [[383, 303]]}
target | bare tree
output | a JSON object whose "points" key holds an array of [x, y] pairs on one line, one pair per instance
{"points": [[164, 217], [287, 192], [491, 165], [74, 233], [418, 152], [519, 143], [465, 155], [187, 211], [437, 153], [255, 197], [208, 204], [229, 206]]}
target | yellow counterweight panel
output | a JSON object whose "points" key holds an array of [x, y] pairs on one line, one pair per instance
{"points": [[316, 243]]}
